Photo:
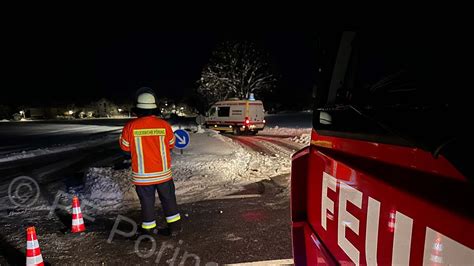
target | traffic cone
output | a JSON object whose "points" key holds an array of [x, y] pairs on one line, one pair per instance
{"points": [[77, 220], [33, 252], [436, 257], [391, 221]]}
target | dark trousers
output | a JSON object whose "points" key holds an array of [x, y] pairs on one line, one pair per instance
{"points": [[166, 193]]}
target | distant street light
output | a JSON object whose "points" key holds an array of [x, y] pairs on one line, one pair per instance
{"points": [[120, 110], [71, 112]]}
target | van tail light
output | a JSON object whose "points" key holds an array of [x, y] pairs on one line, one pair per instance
{"points": [[247, 121], [264, 121]]}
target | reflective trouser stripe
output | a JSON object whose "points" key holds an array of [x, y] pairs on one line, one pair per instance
{"points": [[34, 260], [148, 225], [174, 218]]}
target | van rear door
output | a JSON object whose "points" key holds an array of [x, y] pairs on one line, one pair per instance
{"points": [[256, 112]]}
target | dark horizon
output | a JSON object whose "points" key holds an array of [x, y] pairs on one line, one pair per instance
{"points": [[50, 67]]}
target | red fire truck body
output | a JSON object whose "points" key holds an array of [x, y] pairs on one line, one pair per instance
{"points": [[373, 187]]}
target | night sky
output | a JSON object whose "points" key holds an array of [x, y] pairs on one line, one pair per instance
{"points": [[80, 65]]}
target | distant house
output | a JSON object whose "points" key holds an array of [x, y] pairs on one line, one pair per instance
{"points": [[42, 112], [103, 108], [35, 113]]}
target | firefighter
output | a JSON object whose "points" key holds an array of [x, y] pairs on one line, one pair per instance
{"points": [[149, 140]]}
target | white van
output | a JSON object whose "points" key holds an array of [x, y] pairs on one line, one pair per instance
{"points": [[237, 116]]}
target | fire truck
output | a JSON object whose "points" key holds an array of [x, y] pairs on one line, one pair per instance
{"points": [[387, 178]]}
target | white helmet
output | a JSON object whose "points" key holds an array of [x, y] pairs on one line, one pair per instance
{"points": [[146, 101]]}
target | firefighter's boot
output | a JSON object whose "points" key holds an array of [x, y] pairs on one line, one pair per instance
{"points": [[145, 234], [175, 228]]}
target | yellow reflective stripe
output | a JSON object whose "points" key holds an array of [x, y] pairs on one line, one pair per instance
{"points": [[151, 179], [149, 132], [122, 139], [222, 128], [172, 140], [173, 218], [164, 161], [151, 226], [138, 146], [155, 174], [126, 144], [151, 182]]}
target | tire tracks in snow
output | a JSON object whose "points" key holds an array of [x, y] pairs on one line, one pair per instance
{"points": [[283, 142], [274, 146]]}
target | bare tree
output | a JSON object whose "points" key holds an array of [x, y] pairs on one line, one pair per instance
{"points": [[235, 69]]}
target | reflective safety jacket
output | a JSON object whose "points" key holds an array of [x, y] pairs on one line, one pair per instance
{"points": [[149, 140]]}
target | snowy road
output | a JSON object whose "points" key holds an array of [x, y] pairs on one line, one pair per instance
{"points": [[25, 136], [270, 145], [55, 151]]}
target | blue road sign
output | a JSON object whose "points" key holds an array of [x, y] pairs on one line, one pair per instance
{"points": [[182, 139]]}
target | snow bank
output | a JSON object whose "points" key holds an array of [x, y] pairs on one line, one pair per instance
{"points": [[216, 166], [304, 139], [105, 186], [204, 177], [284, 131]]}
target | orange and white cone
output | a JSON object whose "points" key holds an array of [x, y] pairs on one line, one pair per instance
{"points": [[33, 252], [436, 257], [391, 221], [77, 220]]}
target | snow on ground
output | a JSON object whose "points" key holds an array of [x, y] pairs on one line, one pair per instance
{"points": [[211, 167], [284, 131], [50, 150], [304, 138], [217, 166], [106, 187]]}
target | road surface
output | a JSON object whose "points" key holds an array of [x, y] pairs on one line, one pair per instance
{"points": [[214, 231], [29, 135]]}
